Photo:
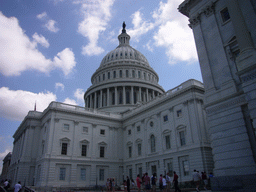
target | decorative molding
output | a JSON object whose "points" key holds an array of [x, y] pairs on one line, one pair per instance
{"points": [[76, 122], [94, 125], [194, 21], [171, 109], [56, 120], [236, 101], [249, 77], [209, 10]]}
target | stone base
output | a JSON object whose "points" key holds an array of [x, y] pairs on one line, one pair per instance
{"points": [[237, 183]]}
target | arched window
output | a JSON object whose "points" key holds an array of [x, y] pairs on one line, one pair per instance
{"points": [[127, 97], [114, 74], [152, 143]]}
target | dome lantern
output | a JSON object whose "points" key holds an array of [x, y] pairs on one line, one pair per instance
{"points": [[124, 38]]}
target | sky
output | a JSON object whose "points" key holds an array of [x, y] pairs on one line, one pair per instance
{"points": [[49, 50]]}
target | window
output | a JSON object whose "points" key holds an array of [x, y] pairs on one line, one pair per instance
{"points": [[108, 75], [185, 167], [139, 149], [113, 98], [133, 73], [130, 173], [114, 74], [66, 127], [144, 75], [84, 150], [134, 97], [165, 118], [138, 128], [99, 78], [152, 143], [167, 142], [64, 149], [153, 169], [140, 171], [103, 76], [170, 169], [225, 15], [120, 97], [120, 73], [129, 132], [182, 138], [127, 73], [102, 151], [83, 174], [102, 131], [62, 174], [101, 175], [127, 97], [85, 129], [138, 74], [130, 151], [179, 113]]}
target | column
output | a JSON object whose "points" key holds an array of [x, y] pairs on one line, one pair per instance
{"points": [[153, 92], [132, 101], [91, 101], [108, 97], [124, 96], [140, 94], [115, 95], [95, 99], [101, 99]]}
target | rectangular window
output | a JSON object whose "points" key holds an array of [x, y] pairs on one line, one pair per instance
{"points": [[83, 174], [99, 78], [85, 129], [185, 168], [130, 173], [165, 118], [102, 132], [66, 127], [114, 74], [167, 142], [139, 149], [153, 169], [225, 15], [102, 151], [101, 175], [179, 113], [133, 73], [62, 174], [127, 73], [140, 171], [64, 149], [138, 128], [182, 138], [103, 76], [120, 73], [138, 74], [84, 150], [130, 152], [108, 75], [170, 169], [129, 132]]}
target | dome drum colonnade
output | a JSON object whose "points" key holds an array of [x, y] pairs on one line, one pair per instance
{"points": [[123, 79]]}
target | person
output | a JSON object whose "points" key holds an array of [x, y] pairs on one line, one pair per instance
{"points": [[128, 184], [17, 187], [153, 182], [107, 184], [175, 181], [161, 182], [125, 186], [138, 181], [133, 184], [110, 184], [6, 184], [164, 183], [147, 182], [205, 180], [168, 181], [113, 185], [197, 179]]}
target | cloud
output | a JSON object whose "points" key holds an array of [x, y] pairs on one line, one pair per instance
{"points": [[57, 85], [15, 104], [18, 53], [79, 95], [51, 26], [42, 15], [70, 101], [96, 15], [41, 40]]}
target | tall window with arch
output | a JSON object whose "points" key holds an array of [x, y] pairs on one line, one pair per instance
{"points": [[152, 143]]}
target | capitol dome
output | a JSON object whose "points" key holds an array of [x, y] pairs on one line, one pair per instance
{"points": [[123, 79]]}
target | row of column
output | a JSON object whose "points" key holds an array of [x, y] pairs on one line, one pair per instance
{"points": [[119, 95]]}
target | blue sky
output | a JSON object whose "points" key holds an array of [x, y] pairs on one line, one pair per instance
{"points": [[50, 49]]}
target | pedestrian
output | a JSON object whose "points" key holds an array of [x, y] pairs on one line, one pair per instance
{"points": [[153, 182], [205, 180], [125, 186], [197, 179], [168, 181], [6, 184], [113, 184], [107, 184], [147, 182], [161, 182], [138, 181], [17, 187], [128, 184], [164, 183], [175, 181]]}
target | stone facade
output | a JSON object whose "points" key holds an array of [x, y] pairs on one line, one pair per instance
{"points": [[225, 37], [161, 132]]}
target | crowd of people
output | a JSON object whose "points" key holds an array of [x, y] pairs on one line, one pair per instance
{"points": [[165, 182], [17, 187]]}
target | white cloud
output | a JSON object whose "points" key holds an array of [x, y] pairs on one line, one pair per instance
{"points": [[57, 85], [96, 15], [51, 26], [41, 40], [79, 95], [15, 104], [42, 15], [70, 101], [18, 53]]}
